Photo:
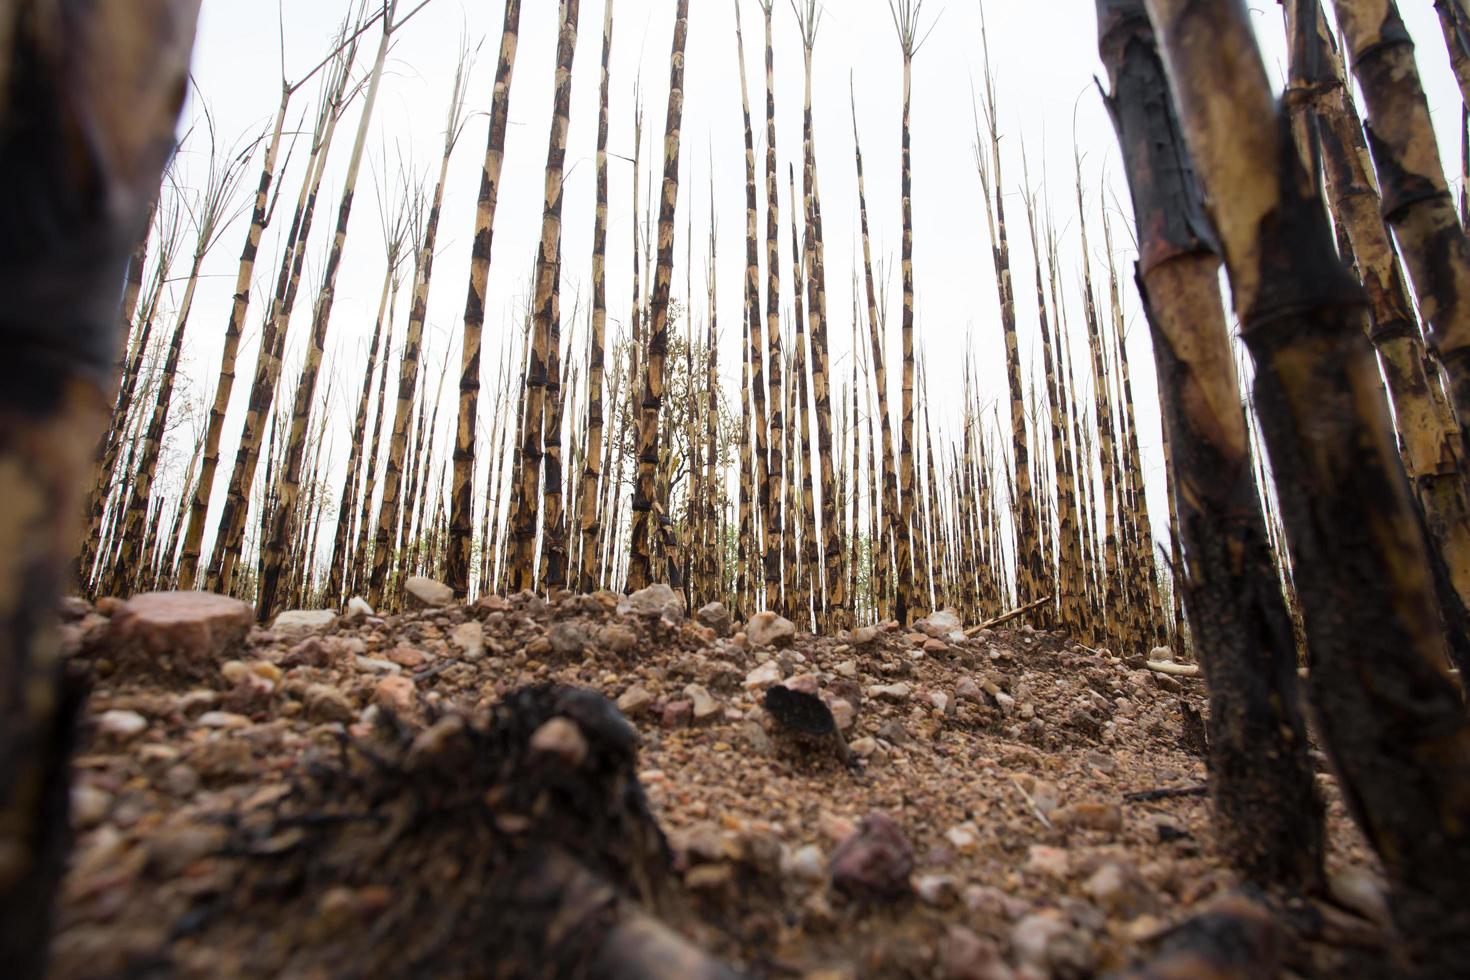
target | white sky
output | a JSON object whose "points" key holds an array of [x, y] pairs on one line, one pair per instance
{"points": [[1044, 58]]}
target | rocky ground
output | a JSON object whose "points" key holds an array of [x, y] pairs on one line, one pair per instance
{"points": [[973, 820]]}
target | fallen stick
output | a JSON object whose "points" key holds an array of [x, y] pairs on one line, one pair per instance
{"points": [[1171, 668], [1035, 807], [1177, 792], [1007, 617]]}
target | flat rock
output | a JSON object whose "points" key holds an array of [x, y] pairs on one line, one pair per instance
{"points": [[122, 726], [897, 693], [764, 676], [705, 708], [428, 593], [186, 633], [304, 620]]}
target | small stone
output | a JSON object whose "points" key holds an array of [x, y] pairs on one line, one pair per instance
{"points": [[634, 701], [358, 608], [657, 601], [1362, 892], [935, 647], [617, 638], [89, 805], [222, 719], [964, 837], [1118, 890], [848, 668], [768, 629], [940, 701], [1161, 654], [1005, 702], [716, 617], [395, 693], [428, 593], [863, 636], [965, 956], [764, 676], [1034, 938], [806, 863], [405, 656], [304, 620], [562, 739], [373, 665], [677, 714], [181, 780], [864, 747], [326, 704], [1051, 861], [1104, 817], [897, 693], [968, 690], [121, 726], [938, 890], [567, 639], [470, 638], [874, 863], [706, 709], [842, 713], [834, 827]]}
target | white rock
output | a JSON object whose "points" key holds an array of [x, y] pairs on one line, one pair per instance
{"points": [[938, 890], [764, 676], [470, 638], [358, 608], [807, 863], [768, 629], [428, 592], [963, 837], [222, 719], [372, 665], [304, 620], [121, 725], [706, 708], [656, 600], [847, 668], [896, 693]]}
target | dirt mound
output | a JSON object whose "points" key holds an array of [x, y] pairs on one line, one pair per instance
{"points": [[451, 792]]}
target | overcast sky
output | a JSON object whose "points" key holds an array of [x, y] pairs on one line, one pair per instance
{"points": [[1044, 58]]}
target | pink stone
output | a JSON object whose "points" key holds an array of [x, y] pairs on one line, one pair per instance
{"points": [[192, 629]]}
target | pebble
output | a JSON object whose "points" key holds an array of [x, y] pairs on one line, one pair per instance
{"points": [[121, 725], [1105, 817], [897, 693], [428, 593], [843, 713], [567, 639], [764, 676], [470, 638], [358, 608], [89, 805], [863, 636], [561, 739], [705, 708], [617, 639], [964, 837], [304, 620], [874, 863], [677, 714], [965, 956], [939, 890], [222, 719], [635, 701], [408, 657], [806, 863], [1118, 890], [396, 693], [325, 704], [1051, 861], [768, 629], [372, 665], [847, 668], [716, 617]]}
